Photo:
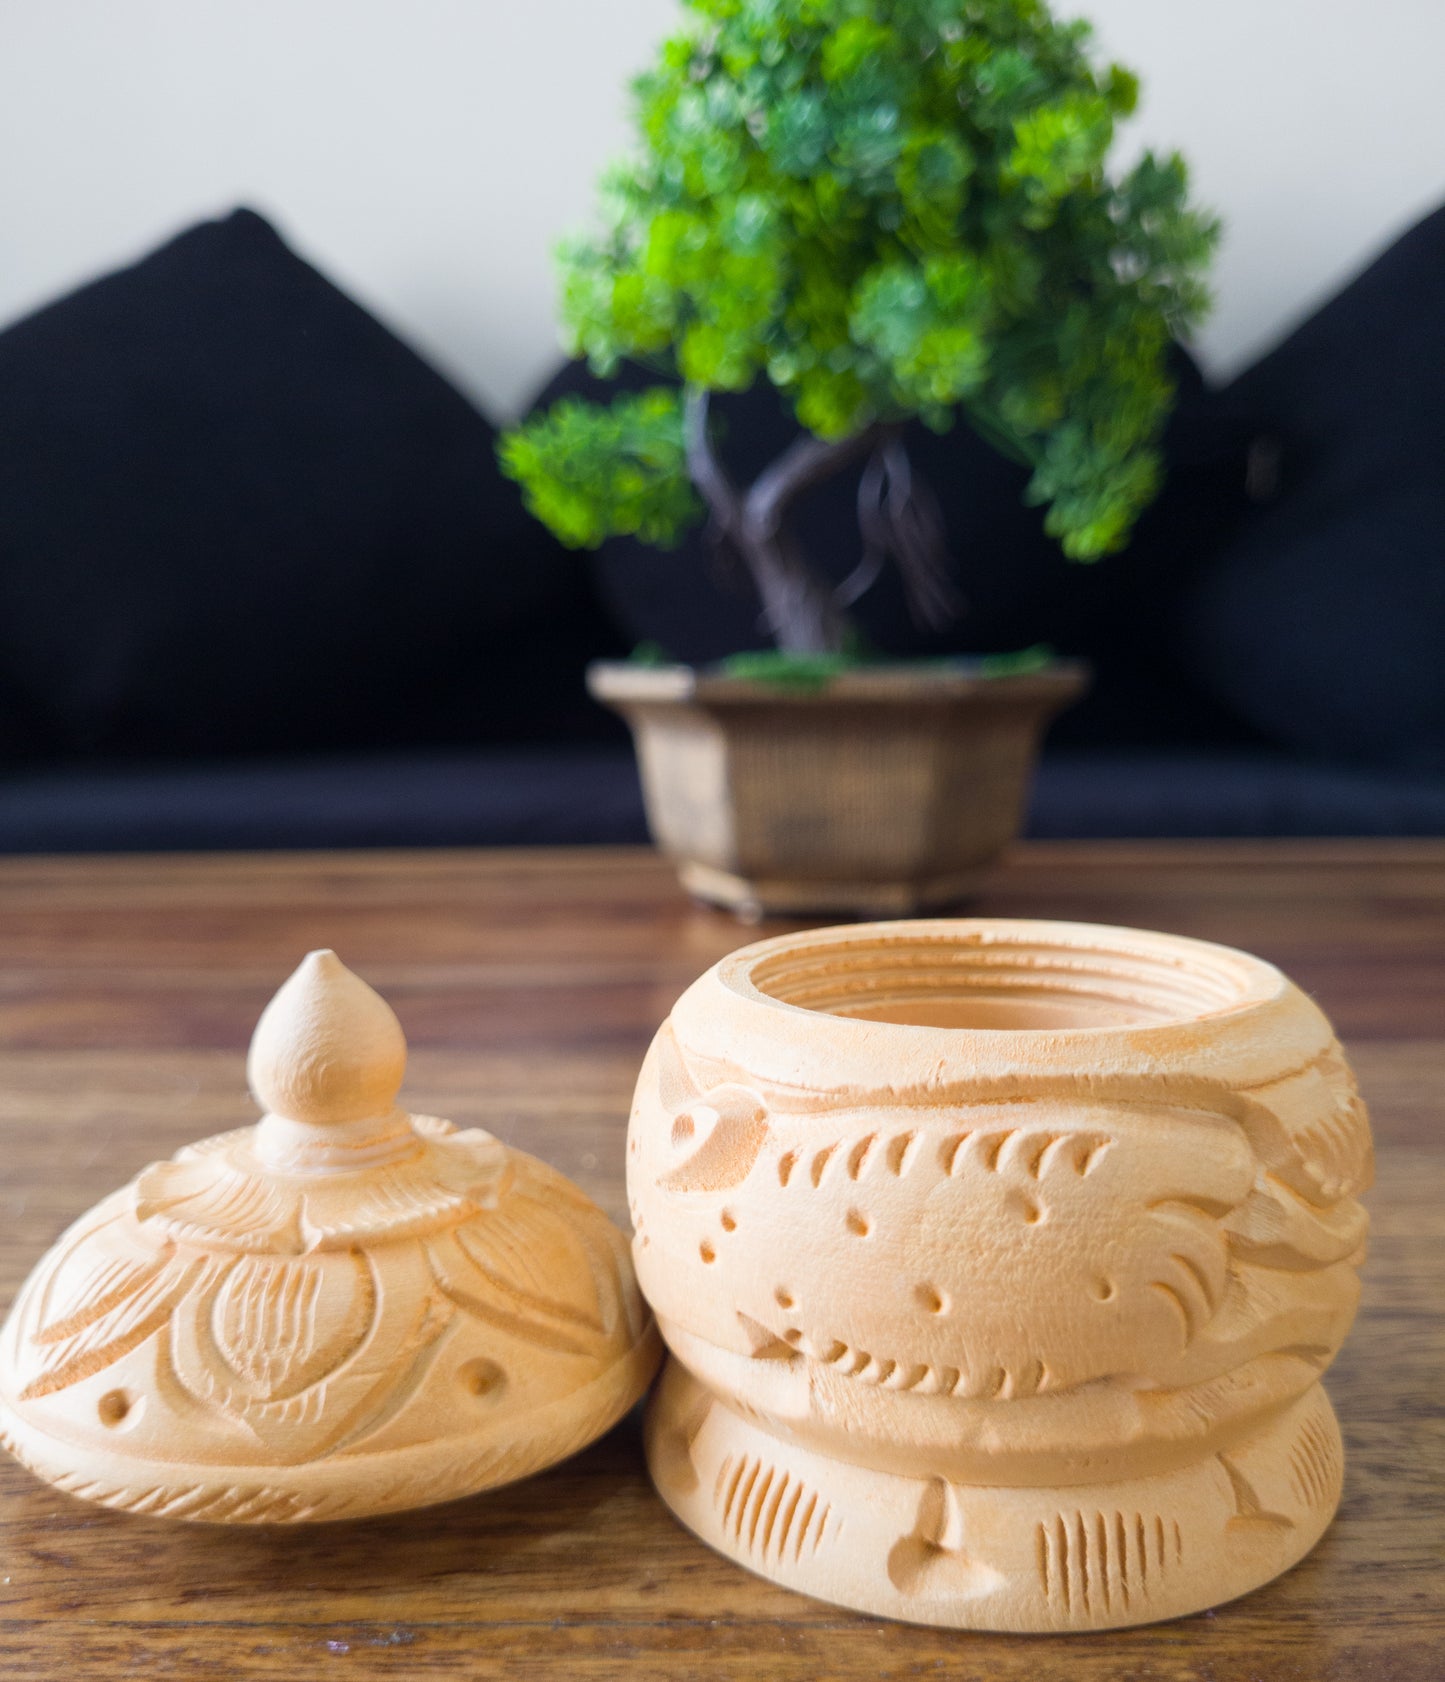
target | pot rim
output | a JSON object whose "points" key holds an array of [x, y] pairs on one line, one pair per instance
{"points": [[959, 677], [1208, 1012]]}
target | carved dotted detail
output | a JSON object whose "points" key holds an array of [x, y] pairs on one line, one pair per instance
{"points": [[784, 1297], [118, 1409], [729, 1221], [930, 1299], [706, 1251], [481, 1378], [858, 1223]]}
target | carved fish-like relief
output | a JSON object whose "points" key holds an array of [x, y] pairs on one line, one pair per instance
{"points": [[1312, 1130], [716, 1140], [1119, 1216]]}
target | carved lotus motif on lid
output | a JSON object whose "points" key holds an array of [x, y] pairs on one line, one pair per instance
{"points": [[326, 1314]]}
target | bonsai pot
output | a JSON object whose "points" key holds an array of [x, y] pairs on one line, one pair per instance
{"points": [[886, 790], [999, 1263]]}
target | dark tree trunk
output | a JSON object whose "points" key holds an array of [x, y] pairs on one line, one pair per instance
{"points": [[801, 610], [897, 517]]}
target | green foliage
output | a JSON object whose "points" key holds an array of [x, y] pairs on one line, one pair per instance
{"points": [[807, 674], [1021, 663], [887, 208], [591, 471]]}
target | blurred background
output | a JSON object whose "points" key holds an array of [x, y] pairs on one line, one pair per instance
{"points": [[428, 155], [350, 633]]}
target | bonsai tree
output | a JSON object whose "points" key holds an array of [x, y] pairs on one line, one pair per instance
{"points": [[890, 209]]}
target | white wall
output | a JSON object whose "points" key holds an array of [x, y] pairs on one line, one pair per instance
{"points": [[426, 153]]}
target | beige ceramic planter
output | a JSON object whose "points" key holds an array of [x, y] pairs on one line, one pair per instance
{"points": [[886, 793], [999, 1263]]}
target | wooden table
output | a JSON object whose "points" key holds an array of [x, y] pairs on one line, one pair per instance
{"points": [[529, 984]]}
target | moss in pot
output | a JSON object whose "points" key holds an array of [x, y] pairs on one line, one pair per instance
{"points": [[891, 210]]}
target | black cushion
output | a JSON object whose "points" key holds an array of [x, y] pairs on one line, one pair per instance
{"points": [[560, 794], [1017, 588], [237, 514], [1321, 620]]}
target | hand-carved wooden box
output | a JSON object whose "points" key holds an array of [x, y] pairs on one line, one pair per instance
{"points": [[343, 1310], [999, 1263]]}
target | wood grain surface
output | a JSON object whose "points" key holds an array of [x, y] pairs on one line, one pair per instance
{"points": [[529, 985]]}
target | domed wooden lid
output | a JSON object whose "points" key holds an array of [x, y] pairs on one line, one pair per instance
{"points": [[342, 1310]]}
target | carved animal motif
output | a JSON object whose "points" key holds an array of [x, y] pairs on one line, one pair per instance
{"points": [[1098, 1247]]}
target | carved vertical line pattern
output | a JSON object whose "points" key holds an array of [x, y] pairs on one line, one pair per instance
{"points": [[951, 1150], [1121, 1537], [786, 1164], [745, 1489], [1061, 1537], [1081, 1538], [737, 1476], [1101, 1537], [722, 1473], [803, 1524], [1159, 1539], [770, 1511], [1313, 1464], [1041, 1548], [786, 1521], [1142, 1540], [822, 1525], [759, 1495]]}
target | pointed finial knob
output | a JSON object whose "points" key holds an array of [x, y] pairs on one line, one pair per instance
{"points": [[327, 1049]]}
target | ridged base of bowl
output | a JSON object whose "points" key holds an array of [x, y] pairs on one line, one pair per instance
{"points": [[753, 898], [1024, 1560], [343, 1486]]}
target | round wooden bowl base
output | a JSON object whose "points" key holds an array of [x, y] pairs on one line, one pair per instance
{"points": [[1023, 1560]]}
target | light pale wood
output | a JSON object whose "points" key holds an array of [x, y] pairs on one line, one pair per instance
{"points": [[886, 793], [340, 1311], [999, 1262], [530, 984]]}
